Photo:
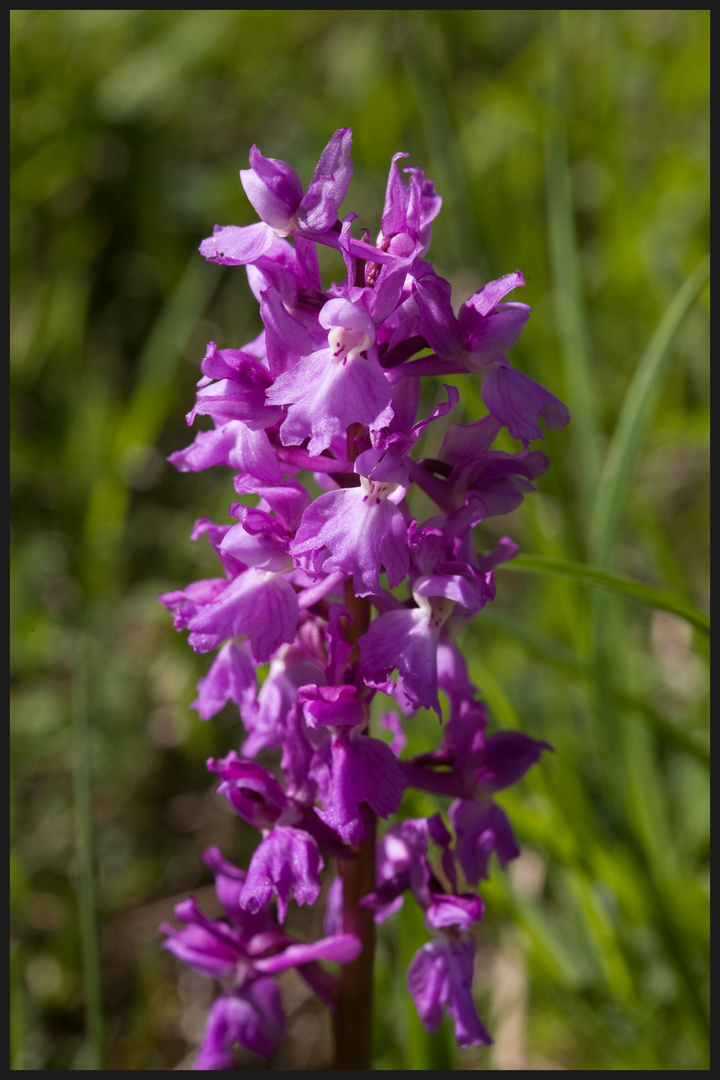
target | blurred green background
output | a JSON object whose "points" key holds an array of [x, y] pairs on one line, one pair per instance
{"points": [[570, 144]]}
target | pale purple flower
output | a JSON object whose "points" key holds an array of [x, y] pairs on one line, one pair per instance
{"points": [[329, 387], [337, 386], [359, 531]]}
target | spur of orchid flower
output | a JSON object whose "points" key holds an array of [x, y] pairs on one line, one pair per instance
{"points": [[328, 579]]}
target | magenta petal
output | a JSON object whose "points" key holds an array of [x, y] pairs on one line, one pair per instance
{"points": [[519, 402], [236, 245], [363, 770], [505, 758], [229, 883], [318, 210], [252, 1016], [336, 706], [211, 954], [231, 678], [404, 640], [449, 910], [286, 861], [362, 534], [250, 789], [258, 603], [441, 974], [273, 188], [481, 828], [326, 396], [343, 948]]}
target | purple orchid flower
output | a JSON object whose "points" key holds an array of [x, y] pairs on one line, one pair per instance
{"points": [[335, 590]]}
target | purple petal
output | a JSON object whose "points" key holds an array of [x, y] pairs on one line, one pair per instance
{"points": [[488, 337], [250, 789], [326, 395], [481, 828], [273, 188], [278, 268], [337, 706], [491, 294], [342, 948], [286, 339], [505, 758], [363, 535], [286, 861], [252, 1016], [258, 540], [405, 640], [333, 918], [207, 945], [438, 324], [448, 910], [258, 603], [390, 721], [236, 245], [519, 402], [231, 678], [441, 974], [363, 770], [410, 209], [318, 210], [231, 444]]}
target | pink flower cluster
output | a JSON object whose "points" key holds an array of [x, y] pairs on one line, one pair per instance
{"points": [[318, 419]]}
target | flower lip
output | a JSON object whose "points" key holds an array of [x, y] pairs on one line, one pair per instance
{"points": [[347, 343]]}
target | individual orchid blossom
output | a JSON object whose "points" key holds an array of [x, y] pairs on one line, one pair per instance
{"points": [[353, 600]]}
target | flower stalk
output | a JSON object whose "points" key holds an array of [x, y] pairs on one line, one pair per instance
{"points": [[352, 1020]]}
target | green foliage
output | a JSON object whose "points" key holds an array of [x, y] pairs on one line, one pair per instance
{"points": [[571, 144]]}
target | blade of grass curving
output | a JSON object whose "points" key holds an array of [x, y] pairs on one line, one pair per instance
{"points": [[625, 771], [598, 578], [17, 1008], [564, 660], [634, 416], [87, 904], [566, 275]]}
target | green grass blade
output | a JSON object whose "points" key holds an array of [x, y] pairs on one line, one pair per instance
{"points": [[570, 315], [633, 418], [17, 1008], [92, 1058], [416, 31], [598, 578]]}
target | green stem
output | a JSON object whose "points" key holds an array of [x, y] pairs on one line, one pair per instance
{"points": [[87, 901], [353, 1017]]}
